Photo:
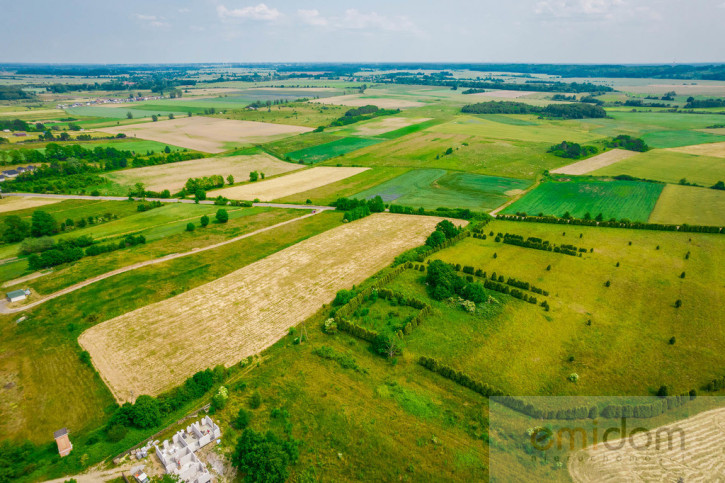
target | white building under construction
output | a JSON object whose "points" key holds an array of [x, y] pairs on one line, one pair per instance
{"points": [[178, 455]]}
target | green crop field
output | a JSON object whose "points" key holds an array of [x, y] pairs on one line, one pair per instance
{"points": [[296, 143], [433, 188], [316, 154], [632, 200], [297, 114], [120, 112], [687, 204], [675, 139], [669, 166]]}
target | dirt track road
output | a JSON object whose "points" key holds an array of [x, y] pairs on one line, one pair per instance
{"points": [[4, 309]]}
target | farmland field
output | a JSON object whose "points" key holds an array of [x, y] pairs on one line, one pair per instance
{"points": [[675, 139], [272, 189], [207, 134], [632, 200], [14, 203], [669, 166], [357, 100], [173, 176], [43, 359], [687, 204], [256, 295], [711, 149], [433, 188], [700, 449], [321, 152], [384, 125], [595, 162]]}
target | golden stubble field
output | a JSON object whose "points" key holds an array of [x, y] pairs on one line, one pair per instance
{"points": [[13, 203], [290, 184], [173, 176], [595, 162], [155, 348], [695, 454], [207, 134]]}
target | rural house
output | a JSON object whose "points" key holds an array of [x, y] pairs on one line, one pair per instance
{"points": [[63, 442], [10, 173], [17, 295]]}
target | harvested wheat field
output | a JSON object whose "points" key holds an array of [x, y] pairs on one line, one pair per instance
{"points": [[290, 184], [173, 176], [595, 162], [356, 100], [711, 149], [13, 203], [696, 454], [386, 125], [207, 134], [158, 346]]}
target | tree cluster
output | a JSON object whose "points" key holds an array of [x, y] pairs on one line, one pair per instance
{"points": [[561, 111], [624, 141], [570, 150], [459, 377]]}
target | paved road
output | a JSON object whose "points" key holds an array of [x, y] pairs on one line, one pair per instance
{"points": [[163, 200], [4, 309]]}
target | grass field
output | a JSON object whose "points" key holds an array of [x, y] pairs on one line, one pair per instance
{"points": [[173, 176], [686, 204], [207, 134], [321, 152], [502, 345], [378, 126], [674, 139], [632, 200], [272, 189], [54, 388], [670, 167], [255, 296], [297, 143], [296, 114], [433, 188]]}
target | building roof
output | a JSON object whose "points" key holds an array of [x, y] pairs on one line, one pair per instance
{"points": [[60, 432], [17, 293], [10, 172]]}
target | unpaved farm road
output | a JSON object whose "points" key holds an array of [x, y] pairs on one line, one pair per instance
{"points": [[4, 309], [163, 200]]}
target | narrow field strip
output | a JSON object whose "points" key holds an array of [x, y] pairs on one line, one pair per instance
{"points": [[595, 162], [156, 347], [290, 184]]}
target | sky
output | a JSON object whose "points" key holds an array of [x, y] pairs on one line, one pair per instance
{"points": [[191, 31]]}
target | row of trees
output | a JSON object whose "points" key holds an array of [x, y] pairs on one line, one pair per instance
{"points": [[624, 223], [562, 111], [459, 377], [539, 244]]}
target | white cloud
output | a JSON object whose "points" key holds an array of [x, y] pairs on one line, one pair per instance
{"points": [[579, 8], [256, 12], [184, 10], [312, 17], [353, 19], [153, 21]]}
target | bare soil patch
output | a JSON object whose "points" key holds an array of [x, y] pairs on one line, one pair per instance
{"points": [[595, 162], [157, 347], [290, 184], [173, 176], [711, 149], [641, 458], [207, 134]]}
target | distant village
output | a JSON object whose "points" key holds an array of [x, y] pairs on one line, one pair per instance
{"points": [[96, 102]]}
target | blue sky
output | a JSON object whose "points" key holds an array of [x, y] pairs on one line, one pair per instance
{"points": [[583, 31]]}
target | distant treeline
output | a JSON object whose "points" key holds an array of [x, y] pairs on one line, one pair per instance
{"points": [[538, 86], [361, 114], [705, 103], [14, 93], [612, 223], [563, 111]]}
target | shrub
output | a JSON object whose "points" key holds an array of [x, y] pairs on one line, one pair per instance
{"points": [[264, 458], [190, 227], [222, 216], [116, 433], [663, 391], [678, 303], [342, 297], [330, 326], [573, 377], [242, 419], [255, 400], [672, 340]]}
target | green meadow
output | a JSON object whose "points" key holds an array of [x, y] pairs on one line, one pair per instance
{"points": [[669, 166], [433, 188], [316, 154]]}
